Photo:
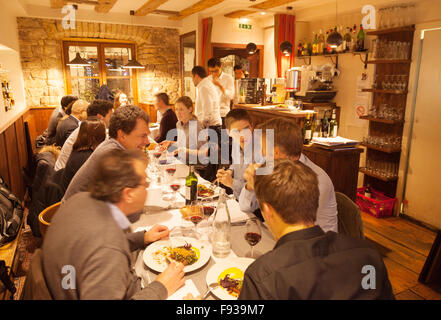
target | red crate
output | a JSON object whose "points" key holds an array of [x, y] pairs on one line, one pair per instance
{"points": [[381, 206]]}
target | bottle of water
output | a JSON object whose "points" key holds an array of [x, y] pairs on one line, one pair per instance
{"points": [[221, 228]]}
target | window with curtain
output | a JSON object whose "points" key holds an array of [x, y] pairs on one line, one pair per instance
{"points": [[105, 67]]}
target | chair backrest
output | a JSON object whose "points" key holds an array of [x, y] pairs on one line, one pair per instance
{"points": [[349, 217], [46, 216], [35, 287]]}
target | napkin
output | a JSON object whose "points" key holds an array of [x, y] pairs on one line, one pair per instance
{"points": [[189, 287], [236, 214]]}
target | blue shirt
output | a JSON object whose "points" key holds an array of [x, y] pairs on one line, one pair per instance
{"points": [[119, 216], [327, 209]]}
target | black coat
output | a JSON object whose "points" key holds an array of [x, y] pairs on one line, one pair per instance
{"points": [[312, 265], [65, 128], [73, 164]]}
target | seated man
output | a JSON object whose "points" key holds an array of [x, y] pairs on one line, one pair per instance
{"points": [[56, 116], [239, 127], [168, 116], [307, 263], [68, 125], [102, 109], [128, 130], [288, 144], [87, 237]]}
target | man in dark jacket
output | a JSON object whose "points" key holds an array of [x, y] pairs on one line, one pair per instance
{"points": [[56, 116], [68, 125], [306, 262], [167, 115]]}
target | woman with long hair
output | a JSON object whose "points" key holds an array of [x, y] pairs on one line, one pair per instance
{"points": [[92, 133]]}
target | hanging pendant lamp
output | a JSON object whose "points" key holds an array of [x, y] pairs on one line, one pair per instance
{"points": [[335, 39], [251, 48], [286, 48], [133, 64], [78, 62]]}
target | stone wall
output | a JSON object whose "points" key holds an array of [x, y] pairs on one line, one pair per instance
{"points": [[41, 57]]}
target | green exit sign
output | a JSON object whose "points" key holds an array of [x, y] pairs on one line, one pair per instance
{"points": [[245, 26]]}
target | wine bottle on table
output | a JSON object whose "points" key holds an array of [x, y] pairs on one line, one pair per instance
{"points": [[325, 125], [191, 187]]}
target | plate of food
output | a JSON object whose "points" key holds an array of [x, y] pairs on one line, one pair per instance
{"points": [[192, 253], [229, 275], [153, 125], [206, 191]]}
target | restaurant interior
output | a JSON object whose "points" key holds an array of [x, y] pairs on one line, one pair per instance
{"points": [[377, 83]]}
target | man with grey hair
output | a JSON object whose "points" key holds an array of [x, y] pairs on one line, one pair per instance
{"points": [[68, 125], [307, 263]]}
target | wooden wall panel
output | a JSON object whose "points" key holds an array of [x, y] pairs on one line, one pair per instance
{"points": [[4, 171], [21, 137], [17, 183]]}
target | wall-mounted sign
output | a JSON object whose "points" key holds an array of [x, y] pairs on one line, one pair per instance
{"points": [[245, 26]]}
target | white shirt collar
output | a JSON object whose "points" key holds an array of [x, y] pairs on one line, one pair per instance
{"points": [[119, 216]]}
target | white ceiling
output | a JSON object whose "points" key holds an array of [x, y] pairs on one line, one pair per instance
{"points": [[304, 9]]}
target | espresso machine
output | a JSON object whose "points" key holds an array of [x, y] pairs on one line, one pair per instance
{"points": [[316, 84]]}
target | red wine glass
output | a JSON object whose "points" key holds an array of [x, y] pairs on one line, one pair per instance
{"points": [[253, 234], [196, 215]]}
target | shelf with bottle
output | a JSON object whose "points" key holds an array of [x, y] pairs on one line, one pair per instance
{"points": [[398, 92], [391, 30], [387, 121], [370, 173]]}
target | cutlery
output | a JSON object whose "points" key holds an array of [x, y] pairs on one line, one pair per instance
{"points": [[211, 287]]}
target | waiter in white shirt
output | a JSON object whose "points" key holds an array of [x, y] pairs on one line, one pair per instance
{"points": [[224, 84], [207, 108]]}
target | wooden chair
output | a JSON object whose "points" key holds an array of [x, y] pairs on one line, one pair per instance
{"points": [[349, 217], [46, 216]]}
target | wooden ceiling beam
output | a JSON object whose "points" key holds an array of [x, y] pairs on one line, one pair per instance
{"points": [[149, 7], [197, 7], [239, 14], [58, 4], [269, 4], [104, 6]]}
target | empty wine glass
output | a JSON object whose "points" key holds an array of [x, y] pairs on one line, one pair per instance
{"points": [[253, 234]]}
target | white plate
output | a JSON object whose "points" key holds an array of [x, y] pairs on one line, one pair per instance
{"points": [[160, 265], [216, 270]]}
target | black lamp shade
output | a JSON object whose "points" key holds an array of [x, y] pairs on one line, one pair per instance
{"points": [[335, 39], [78, 61], [133, 64], [286, 48], [251, 48]]}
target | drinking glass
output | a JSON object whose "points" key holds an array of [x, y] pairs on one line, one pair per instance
{"points": [[253, 234], [196, 215], [175, 185]]}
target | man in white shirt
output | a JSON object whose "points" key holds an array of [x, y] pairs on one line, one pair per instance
{"points": [[224, 84], [102, 109], [207, 104], [288, 144]]}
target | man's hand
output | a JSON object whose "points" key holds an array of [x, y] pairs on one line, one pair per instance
{"points": [[225, 177], [172, 278], [217, 83], [157, 232], [249, 175], [165, 144]]}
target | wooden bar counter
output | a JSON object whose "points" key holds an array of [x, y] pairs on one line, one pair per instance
{"points": [[260, 114]]}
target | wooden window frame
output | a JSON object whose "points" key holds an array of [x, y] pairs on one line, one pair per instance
{"points": [[101, 45]]}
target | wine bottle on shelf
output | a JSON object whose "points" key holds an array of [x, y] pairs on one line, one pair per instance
{"points": [[348, 40], [191, 187], [321, 42], [307, 130], [333, 125], [360, 39], [354, 38], [299, 49], [315, 45]]}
